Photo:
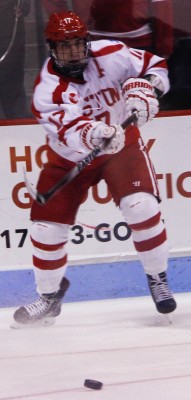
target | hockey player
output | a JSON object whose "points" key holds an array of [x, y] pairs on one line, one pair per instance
{"points": [[81, 96]]}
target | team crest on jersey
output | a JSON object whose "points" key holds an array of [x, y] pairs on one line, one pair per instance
{"points": [[73, 97]]}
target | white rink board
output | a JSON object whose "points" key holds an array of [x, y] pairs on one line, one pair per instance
{"points": [[169, 140]]}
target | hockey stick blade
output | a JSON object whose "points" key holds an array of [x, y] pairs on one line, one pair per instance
{"points": [[42, 198]]}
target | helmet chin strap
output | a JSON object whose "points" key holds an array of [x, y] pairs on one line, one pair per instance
{"points": [[65, 70]]}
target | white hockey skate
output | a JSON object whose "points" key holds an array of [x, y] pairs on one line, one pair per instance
{"points": [[43, 311]]}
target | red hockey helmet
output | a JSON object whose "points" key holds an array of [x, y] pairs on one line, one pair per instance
{"points": [[65, 25]]}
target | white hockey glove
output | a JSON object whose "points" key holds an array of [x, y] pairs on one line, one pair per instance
{"points": [[95, 133], [139, 95]]}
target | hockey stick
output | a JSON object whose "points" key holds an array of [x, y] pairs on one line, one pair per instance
{"points": [[42, 198]]}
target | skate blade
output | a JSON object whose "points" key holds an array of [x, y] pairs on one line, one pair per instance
{"points": [[168, 318], [37, 324], [164, 319]]}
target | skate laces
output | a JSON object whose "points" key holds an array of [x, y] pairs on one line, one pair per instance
{"points": [[160, 289], [39, 306]]}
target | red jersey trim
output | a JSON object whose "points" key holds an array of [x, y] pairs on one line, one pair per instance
{"points": [[159, 64], [107, 50], [70, 125]]}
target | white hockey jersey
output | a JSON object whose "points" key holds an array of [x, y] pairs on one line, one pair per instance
{"points": [[64, 105]]}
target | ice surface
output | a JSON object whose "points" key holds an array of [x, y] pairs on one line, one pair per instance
{"points": [[124, 343]]}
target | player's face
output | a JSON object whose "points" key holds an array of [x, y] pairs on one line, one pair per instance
{"points": [[70, 50]]}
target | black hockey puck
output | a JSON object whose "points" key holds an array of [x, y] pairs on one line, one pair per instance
{"points": [[91, 384]]}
